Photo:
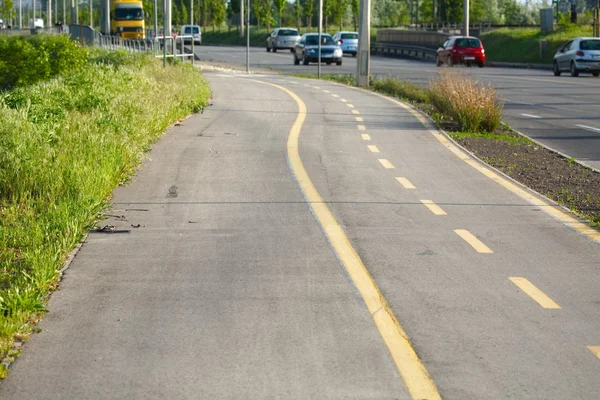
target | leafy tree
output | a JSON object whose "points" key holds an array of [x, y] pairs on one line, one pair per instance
{"points": [[184, 16], [219, 13], [308, 9], [298, 13], [355, 7], [337, 10], [279, 6]]}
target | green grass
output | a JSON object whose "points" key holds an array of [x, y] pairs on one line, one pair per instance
{"points": [[258, 38], [65, 144], [522, 45]]}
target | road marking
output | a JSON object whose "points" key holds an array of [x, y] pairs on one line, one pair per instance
{"points": [[373, 148], [326, 91], [355, 112], [595, 350], [405, 183], [434, 208], [416, 378], [531, 116], [553, 211], [473, 241], [344, 100], [386, 163], [359, 119], [362, 127], [536, 294], [335, 95], [294, 82], [588, 128], [316, 87], [365, 136], [349, 105]]}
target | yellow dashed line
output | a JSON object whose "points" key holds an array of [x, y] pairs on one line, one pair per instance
{"points": [[359, 119], [405, 183], [473, 241], [373, 148], [434, 208], [316, 87], [349, 105], [326, 91], [344, 100], [362, 128], [536, 294], [595, 350], [386, 163], [335, 95], [365, 136], [355, 112]]}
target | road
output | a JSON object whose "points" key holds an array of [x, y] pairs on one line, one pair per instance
{"points": [[287, 241], [561, 112]]}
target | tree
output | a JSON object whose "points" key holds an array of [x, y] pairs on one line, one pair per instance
{"points": [[279, 6], [298, 13], [219, 13], [355, 7], [184, 16], [337, 10], [308, 7]]}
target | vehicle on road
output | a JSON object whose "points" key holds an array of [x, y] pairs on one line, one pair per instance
{"points": [[578, 55], [466, 50], [348, 41], [282, 38], [192, 30], [127, 19], [306, 50]]}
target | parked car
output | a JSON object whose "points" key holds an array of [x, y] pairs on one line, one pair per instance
{"points": [[306, 50], [467, 50], [578, 55], [192, 30], [348, 41], [282, 38]]}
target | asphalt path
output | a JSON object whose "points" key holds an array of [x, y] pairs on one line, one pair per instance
{"points": [[227, 276], [562, 112]]}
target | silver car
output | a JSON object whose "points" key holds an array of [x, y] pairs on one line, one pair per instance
{"points": [[282, 38], [348, 41], [578, 55]]}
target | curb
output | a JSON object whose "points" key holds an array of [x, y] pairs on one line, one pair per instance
{"points": [[501, 64]]}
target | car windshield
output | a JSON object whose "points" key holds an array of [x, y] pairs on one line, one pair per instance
{"points": [[288, 32], [589, 45], [467, 42], [127, 12], [325, 40], [349, 35]]}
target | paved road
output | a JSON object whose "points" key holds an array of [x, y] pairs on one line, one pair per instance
{"points": [[234, 287], [563, 113]]}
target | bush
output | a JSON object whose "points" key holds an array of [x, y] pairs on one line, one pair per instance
{"points": [[474, 106], [64, 145], [400, 89], [25, 60]]}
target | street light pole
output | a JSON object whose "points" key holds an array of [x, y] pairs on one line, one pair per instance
{"points": [[319, 38], [466, 17], [363, 63], [241, 18], [247, 36], [91, 14]]}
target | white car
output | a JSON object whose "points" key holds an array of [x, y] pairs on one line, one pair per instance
{"points": [[348, 41], [578, 55], [192, 30]]}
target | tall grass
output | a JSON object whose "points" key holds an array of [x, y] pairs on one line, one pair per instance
{"points": [[64, 145], [473, 105]]}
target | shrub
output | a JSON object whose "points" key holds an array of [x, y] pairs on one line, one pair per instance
{"points": [[401, 89], [474, 106]]}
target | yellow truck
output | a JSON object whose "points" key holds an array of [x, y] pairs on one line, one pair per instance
{"points": [[127, 19]]}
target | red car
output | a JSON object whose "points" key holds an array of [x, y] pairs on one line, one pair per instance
{"points": [[461, 49]]}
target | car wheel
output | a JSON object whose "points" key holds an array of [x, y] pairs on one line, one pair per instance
{"points": [[268, 49], [291, 50], [437, 61], [468, 65], [328, 62], [555, 69], [296, 61], [480, 64], [595, 74], [274, 49], [574, 72], [353, 54], [449, 61], [304, 60], [338, 62]]}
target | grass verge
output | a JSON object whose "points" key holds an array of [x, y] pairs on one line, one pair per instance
{"points": [[560, 179], [65, 144]]}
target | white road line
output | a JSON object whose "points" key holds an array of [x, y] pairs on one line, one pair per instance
{"points": [[518, 102], [531, 116], [588, 128]]}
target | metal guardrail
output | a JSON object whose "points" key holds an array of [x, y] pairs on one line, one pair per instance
{"points": [[166, 47], [53, 30], [400, 50], [119, 43]]}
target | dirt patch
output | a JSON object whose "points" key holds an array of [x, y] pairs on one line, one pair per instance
{"points": [[559, 178]]}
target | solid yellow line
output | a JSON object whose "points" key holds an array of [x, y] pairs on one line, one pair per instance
{"points": [[344, 100], [362, 128], [359, 119], [595, 350], [413, 371], [434, 208], [406, 183], [553, 211], [355, 112], [473, 241], [365, 136], [386, 163], [373, 148], [533, 292], [349, 105]]}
